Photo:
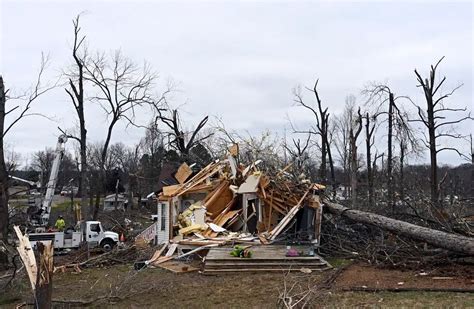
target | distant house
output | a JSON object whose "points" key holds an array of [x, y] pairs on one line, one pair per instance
{"points": [[109, 202]]}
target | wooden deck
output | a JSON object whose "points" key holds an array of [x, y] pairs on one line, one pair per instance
{"points": [[265, 258]]}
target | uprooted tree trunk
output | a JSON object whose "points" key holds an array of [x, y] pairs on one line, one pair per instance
{"points": [[453, 242]]}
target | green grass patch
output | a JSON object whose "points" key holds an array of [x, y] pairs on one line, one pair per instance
{"points": [[66, 205], [337, 262], [6, 299]]}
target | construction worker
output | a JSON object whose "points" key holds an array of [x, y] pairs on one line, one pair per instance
{"points": [[60, 224]]}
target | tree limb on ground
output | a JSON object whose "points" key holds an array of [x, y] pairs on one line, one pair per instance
{"points": [[449, 241]]}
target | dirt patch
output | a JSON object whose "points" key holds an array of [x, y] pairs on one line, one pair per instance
{"points": [[363, 275]]}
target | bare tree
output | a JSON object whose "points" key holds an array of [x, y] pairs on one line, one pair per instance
{"points": [[370, 126], [345, 129], [299, 154], [181, 141], [17, 112], [343, 123], [122, 88], [76, 93], [436, 122], [42, 161], [408, 145], [321, 116], [354, 133], [384, 100]]}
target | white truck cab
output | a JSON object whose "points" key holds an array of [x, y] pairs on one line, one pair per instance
{"points": [[91, 232], [94, 234]]}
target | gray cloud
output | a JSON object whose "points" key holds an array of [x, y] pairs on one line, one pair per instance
{"points": [[239, 60]]}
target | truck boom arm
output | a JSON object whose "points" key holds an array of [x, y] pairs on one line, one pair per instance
{"points": [[53, 180]]}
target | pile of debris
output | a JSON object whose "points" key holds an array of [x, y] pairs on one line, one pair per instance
{"points": [[227, 203]]}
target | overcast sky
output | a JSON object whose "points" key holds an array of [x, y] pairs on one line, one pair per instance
{"points": [[238, 60]]}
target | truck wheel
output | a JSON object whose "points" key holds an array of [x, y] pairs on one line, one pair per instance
{"points": [[107, 244]]}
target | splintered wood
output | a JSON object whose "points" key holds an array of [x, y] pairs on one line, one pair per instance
{"points": [[40, 273], [27, 256]]}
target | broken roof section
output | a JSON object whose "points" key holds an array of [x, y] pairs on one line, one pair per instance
{"points": [[230, 201]]}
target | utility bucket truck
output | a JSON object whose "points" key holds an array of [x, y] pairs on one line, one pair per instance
{"points": [[90, 232]]}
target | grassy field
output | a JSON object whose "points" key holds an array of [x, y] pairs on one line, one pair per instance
{"points": [[123, 287]]}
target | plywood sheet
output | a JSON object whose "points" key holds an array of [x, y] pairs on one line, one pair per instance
{"points": [[183, 173], [170, 190], [250, 185]]}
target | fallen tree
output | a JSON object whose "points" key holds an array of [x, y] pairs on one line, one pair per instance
{"points": [[453, 242]]}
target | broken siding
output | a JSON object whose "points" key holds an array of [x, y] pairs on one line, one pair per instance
{"points": [[163, 230]]}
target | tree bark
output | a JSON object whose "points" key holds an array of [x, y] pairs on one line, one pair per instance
{"points": [[390, 201], [77, 97], [353, 135], [44, 280], [433, 152], [368, 146], [323, 166], [453, 242], [3, 169], [331, 167], [401, 184]]}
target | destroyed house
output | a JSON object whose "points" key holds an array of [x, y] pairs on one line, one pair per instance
{"points": [[225, 201]]}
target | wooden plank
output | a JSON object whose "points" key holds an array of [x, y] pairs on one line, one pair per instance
{"points": [[270, 213], [261, 252], [243, 262], [201, 176], [162, 260], [171, 250], [266, 258], [223, 220], [259, 270], [158, 253], [183, 173], [201, 242], [218, 200], [171, 190], [283, 223], [250, 185]]}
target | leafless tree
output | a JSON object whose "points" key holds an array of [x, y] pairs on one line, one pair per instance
{"points": [[321, 129], [384, 102], [370, 126], [408, 145], [354, 133], [343, 123], [122, 88], [299, 154], [17, 112], [183, 142], [75, 90], [42, 161], [347, 125], [436, 121]]}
